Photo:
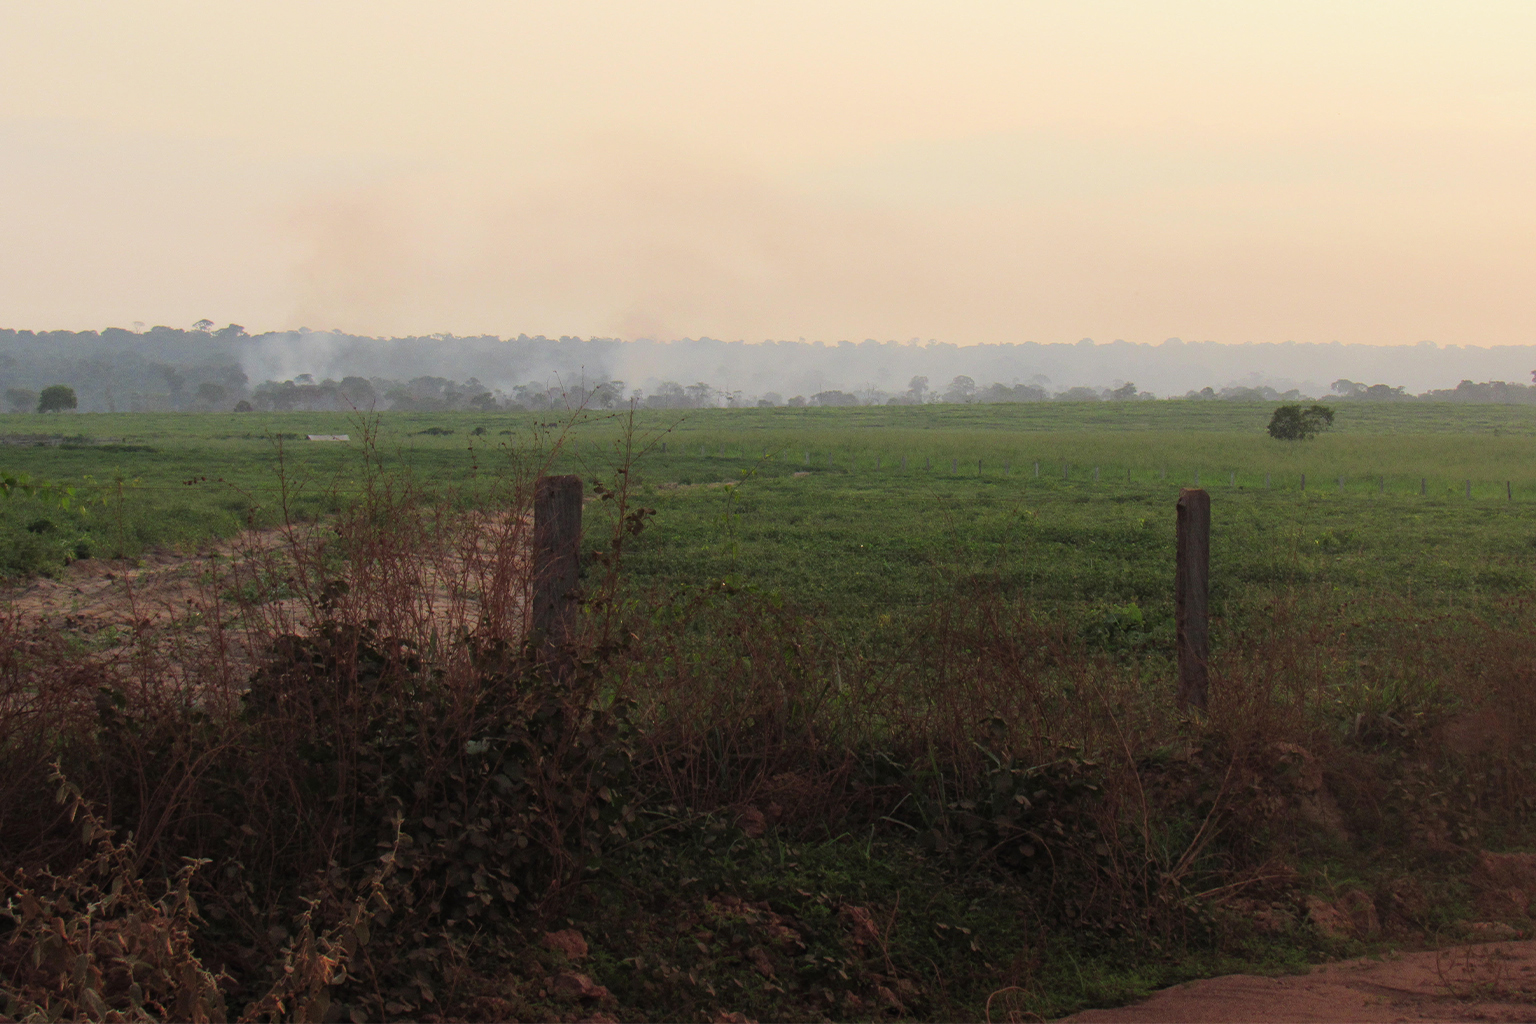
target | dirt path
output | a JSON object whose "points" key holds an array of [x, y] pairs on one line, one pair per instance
{"points": [[1490, 982]]}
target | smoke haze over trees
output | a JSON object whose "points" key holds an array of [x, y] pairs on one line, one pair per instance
{"points": [[214, 369]]}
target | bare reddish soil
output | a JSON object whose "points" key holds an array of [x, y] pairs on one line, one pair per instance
{"points": [[1490, 982]]}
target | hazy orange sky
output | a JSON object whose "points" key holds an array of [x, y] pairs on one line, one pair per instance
{"points": [[999, 171]]}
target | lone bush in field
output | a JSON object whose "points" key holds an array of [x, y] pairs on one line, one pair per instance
{"points": [[1293, 423], [57, 398]]}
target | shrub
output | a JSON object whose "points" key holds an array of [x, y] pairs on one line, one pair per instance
{"points": [[57, 398], [1293, 423]]}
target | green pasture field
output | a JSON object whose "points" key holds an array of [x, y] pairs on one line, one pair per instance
{"points": [[817, 503]]}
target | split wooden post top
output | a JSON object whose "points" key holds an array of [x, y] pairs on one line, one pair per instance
{"points": [[556, 561], [1191, 590]]}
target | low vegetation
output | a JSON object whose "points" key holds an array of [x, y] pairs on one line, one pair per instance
{"points": [[941, 778]]}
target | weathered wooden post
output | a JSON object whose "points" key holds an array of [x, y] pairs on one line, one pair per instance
{"points": [[1469, 490], [1509, 490], [1037, 471], [556, 561], [1191, 588], [954, 466], [1423, 485], [1303, 481]]}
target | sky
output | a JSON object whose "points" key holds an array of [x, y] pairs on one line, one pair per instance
{"points": [[1239, 171]]}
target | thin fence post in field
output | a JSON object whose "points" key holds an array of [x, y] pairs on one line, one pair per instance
{"points": [[1163, 474], [1197, 478], [877, 460], [1095, 474], [1303, 481], [903, 463], [1266, 481], [978, 467], [1341, 485], [1191, 589], [928, 462], [1008, 468], [556, 562], [1232, 480], [663, 447], [807, 458], [1509, 490], [954, 466], [703, 452], [1469, 490], [1037, 471]]}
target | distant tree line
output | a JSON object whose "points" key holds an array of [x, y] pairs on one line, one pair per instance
{"points": [[204, 369]]}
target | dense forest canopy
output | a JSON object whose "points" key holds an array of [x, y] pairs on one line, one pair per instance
{"points": [[218, 369]]}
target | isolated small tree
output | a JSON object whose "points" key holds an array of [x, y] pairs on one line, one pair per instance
{"points": [[1293, 423], [57, 398]]}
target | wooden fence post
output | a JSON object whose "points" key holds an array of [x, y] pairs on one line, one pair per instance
{"points": [[556, 561], [1469, 490], [1423, 485], [1191, 589], [1303, 481]]}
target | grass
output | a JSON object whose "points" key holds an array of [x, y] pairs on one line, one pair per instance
{"points": [[846, 744], [855, 538]]}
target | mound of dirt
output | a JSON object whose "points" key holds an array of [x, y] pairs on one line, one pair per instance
{"points": [[1490, 982]]}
